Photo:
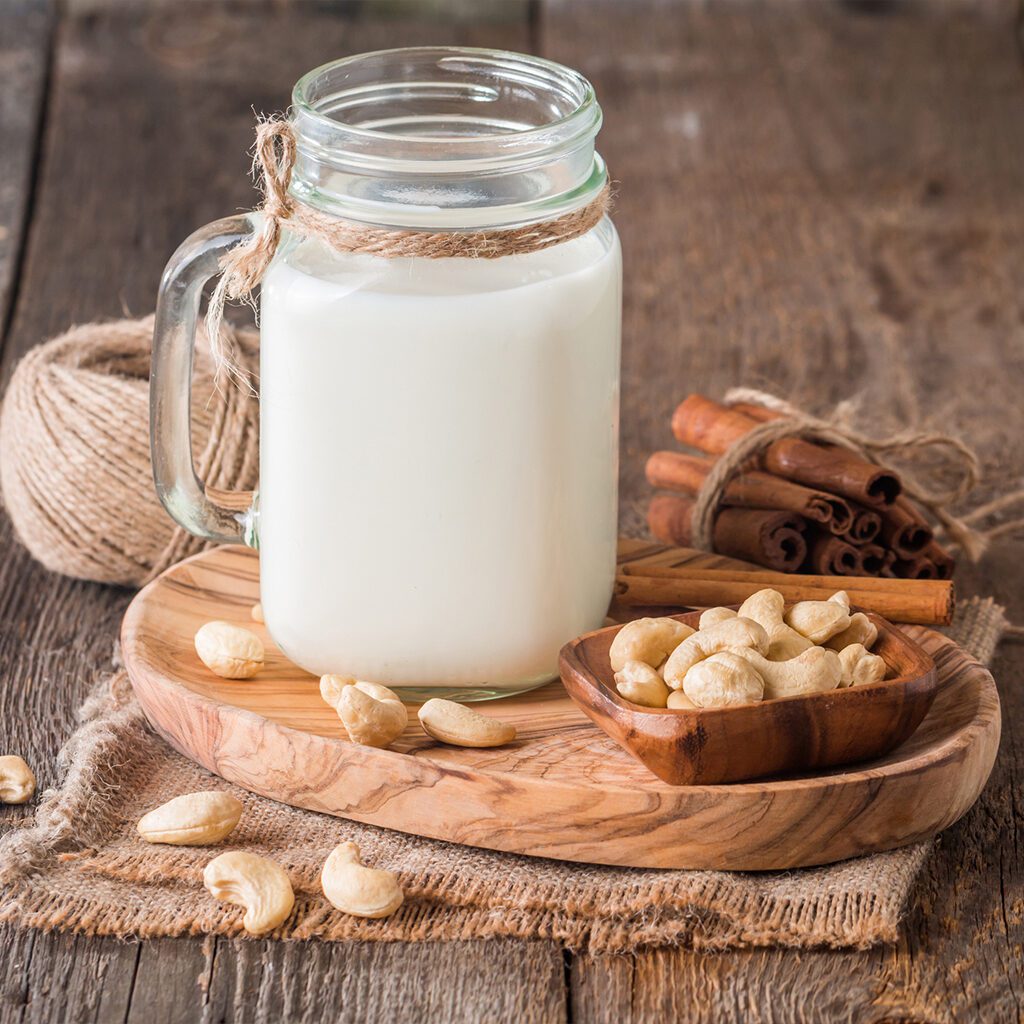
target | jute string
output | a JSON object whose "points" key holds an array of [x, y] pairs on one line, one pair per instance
{"points": [[837, 429], [74, 450], [243, 267]]}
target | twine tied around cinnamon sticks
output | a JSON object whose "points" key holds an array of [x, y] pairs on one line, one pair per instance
{"points": [[838, 430], [243, 267]]}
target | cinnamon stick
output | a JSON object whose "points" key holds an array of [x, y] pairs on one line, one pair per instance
{"points": [[675, 471], [919, 568], [871, 559], [943, 561], [831, 556], [904, 530], [924, 602], [900, 526], [770, 538], [865, 526], [705, 424]]}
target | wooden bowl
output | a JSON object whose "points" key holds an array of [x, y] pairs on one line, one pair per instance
{"points": [[791, 734]]}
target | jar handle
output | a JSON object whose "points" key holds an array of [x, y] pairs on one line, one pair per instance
{"points": [[216, 515]]}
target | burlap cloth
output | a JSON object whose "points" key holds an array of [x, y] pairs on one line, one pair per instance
{"points": [[81, 867]]}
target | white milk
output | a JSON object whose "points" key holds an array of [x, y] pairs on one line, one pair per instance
{"points": [[439, 460]]}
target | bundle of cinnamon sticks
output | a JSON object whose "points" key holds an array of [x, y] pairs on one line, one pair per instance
{"points": [[800, 507]]}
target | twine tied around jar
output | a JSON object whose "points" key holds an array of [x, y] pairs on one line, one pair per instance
{"points": [[837, 429], [243, 267]]}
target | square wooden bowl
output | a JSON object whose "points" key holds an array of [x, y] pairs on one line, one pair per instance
{"points": [[791, 734]]}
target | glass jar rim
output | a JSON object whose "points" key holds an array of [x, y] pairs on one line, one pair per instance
{"points": [[558, 73], [455, 136], [583, 120]]}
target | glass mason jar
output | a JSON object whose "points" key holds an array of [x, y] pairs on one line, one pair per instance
{"points": [[438, 437]]}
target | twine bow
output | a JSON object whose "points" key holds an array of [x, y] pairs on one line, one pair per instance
{"points": [[242, 268], [838, 430]]}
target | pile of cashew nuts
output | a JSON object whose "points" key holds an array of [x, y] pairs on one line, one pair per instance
{"points": [[760, 652]]}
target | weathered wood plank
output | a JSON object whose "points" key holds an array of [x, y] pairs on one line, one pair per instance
{"points": [[457, 981], [780, 178], [129, 171], [816, 200], [65, 979], [170, 982], [25, 30]]}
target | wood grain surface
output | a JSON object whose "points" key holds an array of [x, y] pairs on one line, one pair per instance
{"points": [[562, 789], [24, 46], [822, 198]]}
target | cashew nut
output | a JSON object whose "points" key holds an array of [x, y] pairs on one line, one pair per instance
{"points": [[460, 726], [359, 890], [819, 621], [256, 611], [677, 700], [372, 714], [331, 687], [642, 685], [859, 666], [722, 680], [17, 783], [730, 633], [861, 630], [648, 640], [229, 650], [815, 670], [767, 607], [253, 882], [712, 616], [194, 819]]}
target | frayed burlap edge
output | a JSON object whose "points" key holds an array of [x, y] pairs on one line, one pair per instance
{"points": [[73, 869]]}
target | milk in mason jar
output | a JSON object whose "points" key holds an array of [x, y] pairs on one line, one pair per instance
{"points": [[438, 460]]}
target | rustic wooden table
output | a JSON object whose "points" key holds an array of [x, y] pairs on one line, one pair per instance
{"points": [[818, 197]]}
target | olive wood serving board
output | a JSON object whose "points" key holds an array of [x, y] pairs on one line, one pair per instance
{"points": [[562, 789]]}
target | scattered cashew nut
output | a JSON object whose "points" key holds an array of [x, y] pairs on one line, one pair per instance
{"points": [[256, 611], [648, 640], [767, 607], [819, 621], [712, 616], [453, 723], [730, 633], [253, 882], [356, 889], [228, 650], [859, 666], [372, 714], [861, 630], [814, 671], [722, 680], [195, 819], [642, 685], [17, 782]]}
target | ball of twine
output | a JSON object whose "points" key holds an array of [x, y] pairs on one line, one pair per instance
{"points": [[74, 451]]}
